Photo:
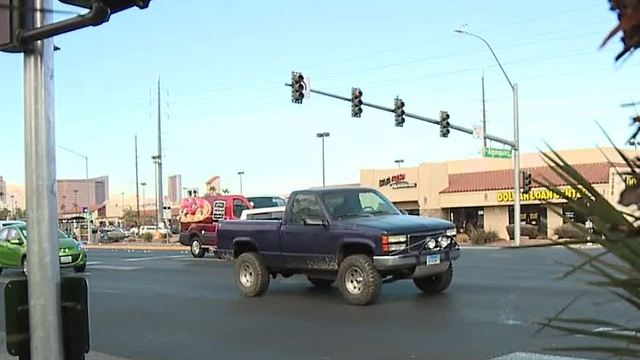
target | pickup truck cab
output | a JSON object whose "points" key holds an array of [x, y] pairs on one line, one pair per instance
{"points": [[353, 235]]}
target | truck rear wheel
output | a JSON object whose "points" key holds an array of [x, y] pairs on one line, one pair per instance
{"points": [[252, 276], [320, 282], [435, 283], [359, 280], [197, 250]]}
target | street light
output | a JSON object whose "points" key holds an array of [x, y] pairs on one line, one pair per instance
{"points": [[516, 142], [399, 161], [158, 162], [240, 173], [322, 136]]}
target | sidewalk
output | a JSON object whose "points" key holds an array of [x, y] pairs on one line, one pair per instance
{"points": [[525, 242]]}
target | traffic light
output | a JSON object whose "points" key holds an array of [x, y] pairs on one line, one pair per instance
{"points": [[444, 124], [11, 20], [399, 111], [356, 102], [526, 182], [297, 87], [114, 6]]}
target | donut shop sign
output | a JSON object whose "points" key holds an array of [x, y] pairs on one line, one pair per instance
{"points": [[396, 182]]}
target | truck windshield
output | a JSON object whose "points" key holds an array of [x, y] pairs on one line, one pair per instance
{"points": [[348, 203]]}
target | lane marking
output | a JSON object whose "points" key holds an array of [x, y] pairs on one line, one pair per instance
{"points": [[113, 267], [534, 356], [94, 262], [155, 258]]}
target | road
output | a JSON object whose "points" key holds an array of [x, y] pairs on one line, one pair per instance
{"points": [[167, 305]]}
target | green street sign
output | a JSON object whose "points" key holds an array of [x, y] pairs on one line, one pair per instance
{"points": [[497, 153]]}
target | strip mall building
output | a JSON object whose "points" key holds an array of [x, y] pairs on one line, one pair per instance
{"points": [[478, 193]]}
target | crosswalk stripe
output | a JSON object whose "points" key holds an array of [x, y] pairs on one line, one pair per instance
{"points": [[534, 356], [155, 258]]}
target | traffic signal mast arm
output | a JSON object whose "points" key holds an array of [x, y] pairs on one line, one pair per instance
{"points": [[417, 117]]}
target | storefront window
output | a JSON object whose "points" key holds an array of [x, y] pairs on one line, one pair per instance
{"points": [[467, 219], [569, 215], [535, 215]]}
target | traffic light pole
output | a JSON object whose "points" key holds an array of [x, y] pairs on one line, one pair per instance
{"points": [[417, 117], [45, 325]]}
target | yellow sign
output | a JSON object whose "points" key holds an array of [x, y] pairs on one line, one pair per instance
{"points": [[537, 195], [629, 180]]}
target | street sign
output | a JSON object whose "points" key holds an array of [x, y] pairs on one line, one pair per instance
{"points": [[497, 153], [477, 132]]}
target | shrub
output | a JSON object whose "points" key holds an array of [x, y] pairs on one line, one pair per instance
{"points": [[479, 237], [527, 230], [462, 238], [147, 237], [571, 230]]}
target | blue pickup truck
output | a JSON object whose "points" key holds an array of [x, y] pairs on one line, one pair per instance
{"points": [[351, 234]]}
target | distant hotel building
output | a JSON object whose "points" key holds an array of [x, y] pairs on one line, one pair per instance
{"points": [[76, 194], [175, 189]]}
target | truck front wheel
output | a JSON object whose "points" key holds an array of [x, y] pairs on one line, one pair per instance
{"points": [[359, 280], [435, 283], [197, 250], [252, 277]]}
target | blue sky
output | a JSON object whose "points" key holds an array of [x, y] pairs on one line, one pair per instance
{"points": [[223, 65]]}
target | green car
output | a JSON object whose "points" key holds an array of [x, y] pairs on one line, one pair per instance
{"points": [[13, 250]]}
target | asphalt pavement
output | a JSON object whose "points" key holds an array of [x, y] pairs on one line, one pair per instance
{"points": [[167, 305]]}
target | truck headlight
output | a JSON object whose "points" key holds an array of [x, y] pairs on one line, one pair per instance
{"points": [[445, 240], [397, 247], [450, 232], [397, 239]]}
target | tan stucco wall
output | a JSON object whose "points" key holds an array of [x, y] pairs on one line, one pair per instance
{"points": [[497, 218], [553, 221]]}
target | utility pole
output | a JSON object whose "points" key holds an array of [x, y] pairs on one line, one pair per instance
{"points": [[159, 181], [240, 173], [45, 323], [137, 183], [484, 116]]}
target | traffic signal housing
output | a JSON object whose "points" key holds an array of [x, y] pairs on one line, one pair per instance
{"points": [[356, 102], [114, 6], [399, 111], [297, 87], [11, 21], [526, 182], [444, 124]]}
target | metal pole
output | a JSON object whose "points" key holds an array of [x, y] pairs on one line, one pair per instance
{"points": [[156, 184], [484, 116], [240, 184], [160, 192], [86, 167], [516, 167], [45, 325], [323, 174], [137, 182]]}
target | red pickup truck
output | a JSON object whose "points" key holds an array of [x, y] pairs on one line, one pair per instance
{"points": [[199, 218]]}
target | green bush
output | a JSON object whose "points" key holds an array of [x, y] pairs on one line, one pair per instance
{"points": [[147, 237], [527, 230], [478, 237], [571, 230]]}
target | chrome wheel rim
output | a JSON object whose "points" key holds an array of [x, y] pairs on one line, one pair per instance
{"points": [[246, 275], [195, 247], [354, 280]]}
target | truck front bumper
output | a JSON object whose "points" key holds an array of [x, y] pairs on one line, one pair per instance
{"points": [[415, 260]]}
